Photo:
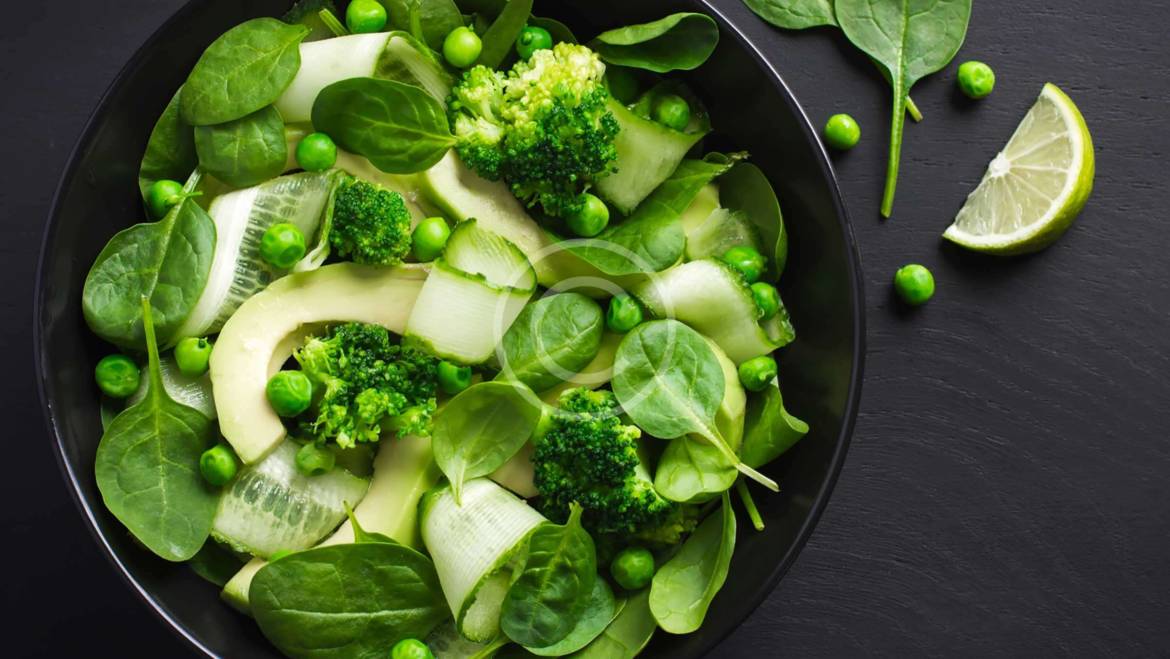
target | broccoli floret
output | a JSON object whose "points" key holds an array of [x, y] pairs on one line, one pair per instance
{"points": [[543, 127], [370, 224], [587, 455], [366, 384]]}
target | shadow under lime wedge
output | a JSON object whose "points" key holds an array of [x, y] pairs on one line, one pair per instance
{"points": [[1035, 187]]}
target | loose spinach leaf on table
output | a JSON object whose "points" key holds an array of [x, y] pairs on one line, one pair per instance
{"points": [[910, 39], [746, 189], [543, 604], [628, 634], [500, 38], [244, 70], [479, 430], [683, 588], [769, 430], [680, 42], [167, 261], [598, 612], [245, 151], [436, 18], [651, 239], [400, 128], [170, 152], [553, 339], [147, 467], [353, 600]]}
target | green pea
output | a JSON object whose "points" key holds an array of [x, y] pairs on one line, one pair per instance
{"points": [[532, 39], [462, 47], [633, 568], [591, 219], [624, 314], [117, 376], [411, 648], [218, 465], [767, 299], [673, 112], [750, 263], [976, 79], [914, 284], [290, 393], [283, 245], [365, 16], [623, 83], [429, 239], [453, 378], [756, 374], [162, 196], [842, 132], [316, 152], [193, 356], [313, 460]]}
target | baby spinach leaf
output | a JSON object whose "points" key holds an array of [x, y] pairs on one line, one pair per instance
{"points": [[651, 239], [500, 38], [170, 152], [560, 32], [794, 14], [353, 600], [683, 588], [543, 604], [769, 430], [628, 634], [910, 39], [479, 430], [598, 612], [680, 42], [244, 70], [553, 339], [400, 128], [147, 467], [692, 470], [436, 18], [167, 261], [246, 151], [746, 189], [215, 563]]}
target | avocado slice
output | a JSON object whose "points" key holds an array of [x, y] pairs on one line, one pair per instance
{"points": [[263, 333]]}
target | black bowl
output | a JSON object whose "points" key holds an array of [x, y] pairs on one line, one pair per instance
{"points": [[751, 107]]}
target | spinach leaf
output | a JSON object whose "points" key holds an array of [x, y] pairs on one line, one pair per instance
{"points": [[794, 14], [910, 39], [692, 470], [599, 611], [680, 42], [746, 189], [479, 430], [769, 430], [500, 38], [170, 152], [436, 18], [400, 128], [167, 261], [628, 634], [560, 32], [683, 588], [244, 70], [670, 383], [147, 467], [246, 151], [215, 563], [552, 340], [543, 604], [651, 239], [341, 601]]}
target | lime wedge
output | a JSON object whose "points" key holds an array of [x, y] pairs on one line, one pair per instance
{"points": [[1035, 187]]}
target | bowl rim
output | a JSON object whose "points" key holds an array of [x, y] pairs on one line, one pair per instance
{"points": [[856, 284]]}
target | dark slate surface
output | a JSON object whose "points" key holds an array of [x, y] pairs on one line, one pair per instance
{"points": [[1008, 489]]}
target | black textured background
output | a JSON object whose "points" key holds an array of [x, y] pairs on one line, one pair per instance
{"points": [[1008, 489]]}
